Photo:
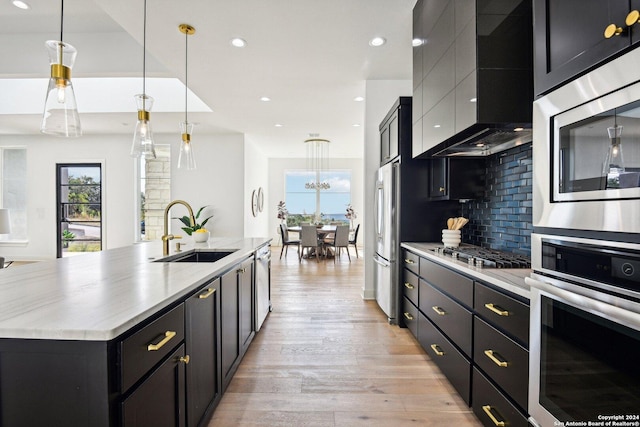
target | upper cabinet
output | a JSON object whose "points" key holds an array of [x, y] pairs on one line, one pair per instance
{"points": [[472, 75], [395, 135], [574, 36]]}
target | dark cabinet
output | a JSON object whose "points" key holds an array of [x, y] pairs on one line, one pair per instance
{"points": [[456, 178], [202, 345], [236, 317], [491, 407], [160, 400], [567, 46], [395, 130]]}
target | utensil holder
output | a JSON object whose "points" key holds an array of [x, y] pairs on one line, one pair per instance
{"points": [[451, 238]]}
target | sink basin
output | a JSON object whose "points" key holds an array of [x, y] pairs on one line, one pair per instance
{"points": [[204, 256]]}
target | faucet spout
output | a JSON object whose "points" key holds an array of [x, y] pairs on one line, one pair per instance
{"points": [[166, 236]]}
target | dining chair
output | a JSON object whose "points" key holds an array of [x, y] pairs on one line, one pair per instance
{"points": [[309, 240], [341, 240], [354, 241], [286, 241]]}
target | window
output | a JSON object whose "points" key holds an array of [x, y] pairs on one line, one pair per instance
{"points": [[154, 193], [79, 208], [310, 205], [13, 190]]}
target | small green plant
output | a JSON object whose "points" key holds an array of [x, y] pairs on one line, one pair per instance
{"points": [[198, 225]]}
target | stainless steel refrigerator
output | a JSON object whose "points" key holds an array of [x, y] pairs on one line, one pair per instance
{"points": [[386, 238]]}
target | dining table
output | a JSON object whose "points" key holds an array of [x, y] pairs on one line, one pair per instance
{"points": [[323, 231]]}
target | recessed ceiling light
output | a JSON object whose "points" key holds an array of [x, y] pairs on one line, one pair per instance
{"points": [[417, 42], [358, 99], [278, 125], [356, 125], [377, 41], [436, 126], [473, 100], [20, 4], [265, 99], [238, 42]]}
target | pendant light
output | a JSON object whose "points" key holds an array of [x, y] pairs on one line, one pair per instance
{"points": [[186, 158], [143, 136], [60, 110]]}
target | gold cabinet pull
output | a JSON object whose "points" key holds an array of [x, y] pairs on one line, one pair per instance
{"points": [[409, 285], [167, 337], [487, 410], [493, 356], [207, 294], [437, 350], [438, 310], [184, 359], [632, 18], [409, 261], [497, 309], [241, 270], [408, 316], [441, 189], [612, 30]]}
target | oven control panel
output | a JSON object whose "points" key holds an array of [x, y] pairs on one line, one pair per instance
{"points": [[624, 268]]}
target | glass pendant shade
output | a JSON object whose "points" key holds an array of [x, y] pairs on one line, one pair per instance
{"points": [[614, 161], [186, 159], [60, 109], [143, 136]]}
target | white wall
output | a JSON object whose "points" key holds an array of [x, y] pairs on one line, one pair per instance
{"points": [[256, 175], [218, 181], [380, 96], [277, 166]]}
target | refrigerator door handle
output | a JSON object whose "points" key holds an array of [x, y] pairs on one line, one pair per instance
{"points": [[379, 210], [381, 262]]}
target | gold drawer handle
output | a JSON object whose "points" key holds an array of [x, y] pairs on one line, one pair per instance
{"points": [[409, 261], [437, 350], [408, 316], [441, 189], [493, 356], [207, 294], [632, 18], [497, 309], [409, 285], [612, 30], [487, 410], [167, 337], [184, 359], [438, 310]]}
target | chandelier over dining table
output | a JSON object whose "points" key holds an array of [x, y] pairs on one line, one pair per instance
{"points": [[317, 162]]}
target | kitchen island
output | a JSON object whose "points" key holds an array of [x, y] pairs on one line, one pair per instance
{"points": [[115, 337]]}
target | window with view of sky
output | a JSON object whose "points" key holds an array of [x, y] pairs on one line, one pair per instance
{"points": [[331, 203]]}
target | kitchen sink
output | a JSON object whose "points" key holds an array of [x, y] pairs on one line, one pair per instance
{"points": [[201, 256]]}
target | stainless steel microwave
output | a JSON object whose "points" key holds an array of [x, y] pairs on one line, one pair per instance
{"points": [[586, 151]]}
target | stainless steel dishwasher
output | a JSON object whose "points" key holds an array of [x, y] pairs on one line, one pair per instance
{"points": [[263, 284]]}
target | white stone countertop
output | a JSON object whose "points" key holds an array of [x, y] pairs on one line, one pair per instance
{"points": [[509, 279], [98, 296]]}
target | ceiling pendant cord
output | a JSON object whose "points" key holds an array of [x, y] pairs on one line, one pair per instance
{"points": [[186, 159]]}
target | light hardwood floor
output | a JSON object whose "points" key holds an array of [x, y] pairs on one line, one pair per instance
{"points": [[326, 357]]}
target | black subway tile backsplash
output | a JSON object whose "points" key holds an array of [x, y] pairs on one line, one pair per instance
{"points": [[502, 219]]}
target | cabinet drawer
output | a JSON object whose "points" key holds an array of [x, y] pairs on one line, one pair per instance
{"points": [[491, 407], [410, 316], [451, 362], [504, 312], [410, 286], [451, 283], [506, 362], [411, 261], [145, 348], [452, 318]]}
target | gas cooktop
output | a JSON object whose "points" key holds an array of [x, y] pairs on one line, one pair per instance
{"points": [[485, 257]]}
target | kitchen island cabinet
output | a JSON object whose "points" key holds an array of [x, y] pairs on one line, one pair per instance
{"points": [[474, 324], [113, 338]]}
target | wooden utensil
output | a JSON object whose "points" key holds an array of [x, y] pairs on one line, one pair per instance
{"points": [[450, 223]]}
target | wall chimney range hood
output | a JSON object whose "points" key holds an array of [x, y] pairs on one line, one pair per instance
{"points": [[473, 77], [484, 142]]}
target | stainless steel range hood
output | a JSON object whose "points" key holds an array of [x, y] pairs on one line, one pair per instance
{"points": [[484, 142]]}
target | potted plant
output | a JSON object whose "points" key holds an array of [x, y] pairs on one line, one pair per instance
{"points": [[282, 211], [350, 215], [200, 234]]}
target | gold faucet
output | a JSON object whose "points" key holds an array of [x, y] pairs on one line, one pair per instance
{"points": [[166, 236]]}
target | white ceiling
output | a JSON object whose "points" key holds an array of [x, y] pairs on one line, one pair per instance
{"points": [[310, 57]]}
